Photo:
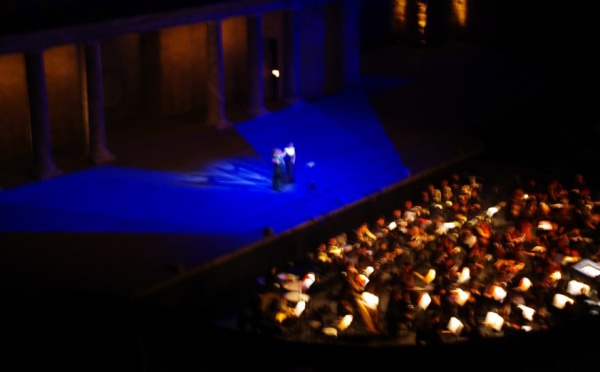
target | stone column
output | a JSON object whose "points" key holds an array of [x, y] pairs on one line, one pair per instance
{"points": [[216, 75], [256, 92], [99, 153], [290, 63], [41, 141]]}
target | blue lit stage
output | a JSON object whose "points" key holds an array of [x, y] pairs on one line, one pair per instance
{"points": [[196, 215], [343, 156]]}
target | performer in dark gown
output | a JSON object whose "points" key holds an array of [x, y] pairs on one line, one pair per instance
{"points": [[290, 160], [279, 172]]}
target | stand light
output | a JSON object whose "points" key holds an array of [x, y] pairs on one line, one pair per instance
{"points": [[424, 301], [455, 326], [497, 293], [527, 312], [494, 321], [370, 300], [308, 281], [460, 297], [555, 276], [464, 276], [576, 288], [330, 331], [430, 276], [299, 308], [524, 284], [560, 300], [345, 322]]}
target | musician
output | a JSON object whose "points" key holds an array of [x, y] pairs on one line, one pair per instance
{"points": [[365, 235], [446, 191], [409, 214], [435, 194], [474, 203], [556, 191], [380, 227]]}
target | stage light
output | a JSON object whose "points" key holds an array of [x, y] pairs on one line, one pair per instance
{"points": [[494, 321], [455, 326], [527, 312], [345, 322], [424, 300], [576, 288], [524, 284], [275, 73], [560, 300], [370, 300]]}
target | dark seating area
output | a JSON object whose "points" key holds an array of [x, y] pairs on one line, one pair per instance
{"points": [[461, 251]]}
